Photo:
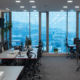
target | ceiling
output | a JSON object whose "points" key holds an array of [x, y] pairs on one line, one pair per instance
{"points": [[51, 5]]}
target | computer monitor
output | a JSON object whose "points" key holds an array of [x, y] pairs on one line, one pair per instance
{"points": [[26, 43], [1, 22], [76, 40], [22, 46]]}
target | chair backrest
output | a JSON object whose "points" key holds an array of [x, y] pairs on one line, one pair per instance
{"points": [[78, 47], [76, 40], [39, 53]]}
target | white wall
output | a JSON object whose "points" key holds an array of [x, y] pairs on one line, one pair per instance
{"points": [[0, 28]]}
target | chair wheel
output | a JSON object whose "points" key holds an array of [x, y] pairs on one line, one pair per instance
{"points": [[39, 77], [76, 69], [38, 70]]}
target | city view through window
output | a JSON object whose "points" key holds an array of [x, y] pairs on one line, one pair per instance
{"points": [[22, 26]]}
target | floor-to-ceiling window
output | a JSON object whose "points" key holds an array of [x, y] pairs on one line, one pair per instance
{"points": [[57, 31], [28, 22], [43, 30], [71, 27], [20, 29], [34, 27]]}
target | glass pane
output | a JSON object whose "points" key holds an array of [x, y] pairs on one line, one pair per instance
{"points": [[34, 27], [4, 26], [43, 29], [20, 29], [8, 30], [71, 27], [57, 31]]}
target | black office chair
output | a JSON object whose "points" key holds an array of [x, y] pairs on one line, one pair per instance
{"points": [[72, 51], [29, 67], [76, 40], [78, 52]]}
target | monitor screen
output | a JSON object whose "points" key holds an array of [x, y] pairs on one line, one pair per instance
{"points": [[1, 22]]}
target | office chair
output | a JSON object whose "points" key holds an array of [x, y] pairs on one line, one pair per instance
{"points": [[72, 51], [78, 52], [76, 40], [29, 67]]}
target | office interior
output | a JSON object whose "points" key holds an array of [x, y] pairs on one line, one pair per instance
{"points": [[54, 30]]}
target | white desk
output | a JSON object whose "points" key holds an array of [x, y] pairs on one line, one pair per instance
{"points": [[11, 72], [3, 55], [26, 57]]}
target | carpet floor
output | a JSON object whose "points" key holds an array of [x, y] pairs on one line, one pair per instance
{"points": [[59, 68]]}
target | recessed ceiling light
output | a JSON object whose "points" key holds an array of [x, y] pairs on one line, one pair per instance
{"points": [[35, 10], [65, 6], [69, 1], [24, 10], [17, 1], [21, 6], [32, 1], [62, 10], [76, 6], [7, 9], [33, 6]]}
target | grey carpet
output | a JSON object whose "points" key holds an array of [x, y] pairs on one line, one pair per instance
{"points": [[59, 68]]}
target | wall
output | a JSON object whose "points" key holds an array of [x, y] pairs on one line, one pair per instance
{"points": [[0, 28]]}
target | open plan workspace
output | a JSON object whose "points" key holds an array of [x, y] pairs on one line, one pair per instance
{"points": [[39, 39]]}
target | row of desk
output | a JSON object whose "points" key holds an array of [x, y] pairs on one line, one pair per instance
{"points": [[13, 72]]}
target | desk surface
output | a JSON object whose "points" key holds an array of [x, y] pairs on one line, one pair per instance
{"points": [[11, 72], [3, 55], [34, 56]]}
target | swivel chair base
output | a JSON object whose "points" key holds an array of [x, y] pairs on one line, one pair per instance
{"points": [[72, 56], [78, 68]]}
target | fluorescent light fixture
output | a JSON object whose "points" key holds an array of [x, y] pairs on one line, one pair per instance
{"points": [[65, 6], [17, 1], [7, 9], [69, 1], [24, 10], [21, 6], [62, 10], [32, 1], [76, 6], [33, 6]]}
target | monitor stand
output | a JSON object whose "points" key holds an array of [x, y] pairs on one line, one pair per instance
{"points": [[20, 55]]}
